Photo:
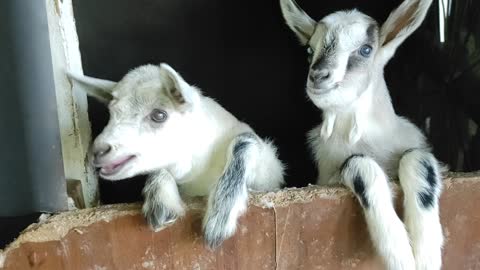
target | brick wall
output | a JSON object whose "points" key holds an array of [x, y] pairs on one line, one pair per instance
{"points": [[308, 228]]}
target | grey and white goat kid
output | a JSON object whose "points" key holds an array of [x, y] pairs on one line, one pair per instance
{"points": [[362, 143], [188, 144]]}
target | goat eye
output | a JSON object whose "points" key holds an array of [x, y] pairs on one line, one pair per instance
{"points": [[158, 116], [366, 50]]}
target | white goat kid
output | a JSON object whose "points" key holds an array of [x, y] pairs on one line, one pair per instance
{"points": [[362, 142], [188, 143]]}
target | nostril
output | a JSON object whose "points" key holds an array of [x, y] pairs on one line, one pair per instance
{"points": [[320, 75], [102, 150], [323, 75]]}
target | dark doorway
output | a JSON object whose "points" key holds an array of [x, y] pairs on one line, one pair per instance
{"points": [[242, 54]]}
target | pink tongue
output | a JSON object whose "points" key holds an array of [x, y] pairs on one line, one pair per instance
{"points": [[108, 169]]}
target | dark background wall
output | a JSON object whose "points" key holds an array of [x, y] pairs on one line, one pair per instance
{"points": [[242, 54]]}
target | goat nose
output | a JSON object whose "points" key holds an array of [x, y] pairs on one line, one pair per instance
{"points": [[102, 150], [323, 75], [320, 75]]}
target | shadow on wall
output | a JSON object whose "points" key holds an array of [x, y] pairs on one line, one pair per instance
{"points": [[242, 54]]}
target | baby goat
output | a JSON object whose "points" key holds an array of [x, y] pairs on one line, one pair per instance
{"points": [[362, 142], [188, 143]]}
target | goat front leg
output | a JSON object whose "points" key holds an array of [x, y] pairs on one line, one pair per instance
{"points": [[228, 200], [370, 185], [421, 182], [162, 202]]}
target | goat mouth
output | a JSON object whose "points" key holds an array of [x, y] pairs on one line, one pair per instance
{"points": [[115, 166], [318, 92], [321, 91]]}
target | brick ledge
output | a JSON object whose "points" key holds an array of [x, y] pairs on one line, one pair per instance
{"points": [[305, 228]]}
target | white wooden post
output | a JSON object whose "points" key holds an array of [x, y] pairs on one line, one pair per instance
{"points": [[72, 104]]}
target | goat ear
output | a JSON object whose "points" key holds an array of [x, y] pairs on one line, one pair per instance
{"points": [[401, 23], [298, 20], [97, 88], [179, 91]]}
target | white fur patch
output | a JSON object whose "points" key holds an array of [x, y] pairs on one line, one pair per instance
{"points": [[327, 125]]}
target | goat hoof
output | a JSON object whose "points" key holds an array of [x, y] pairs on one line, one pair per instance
{"points": [[213, 243], [158, 216], [213, 239], [216, 230]]}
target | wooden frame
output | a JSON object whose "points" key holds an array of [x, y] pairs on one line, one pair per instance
{"points": [[72, 104]]}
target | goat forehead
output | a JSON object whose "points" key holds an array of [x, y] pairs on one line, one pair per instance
{"points": [[345, 18], [138, 88], [140, 78], [140, 91], [143, 73], [352, 36], [144, 83], [349, 29], [139, 99]]}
